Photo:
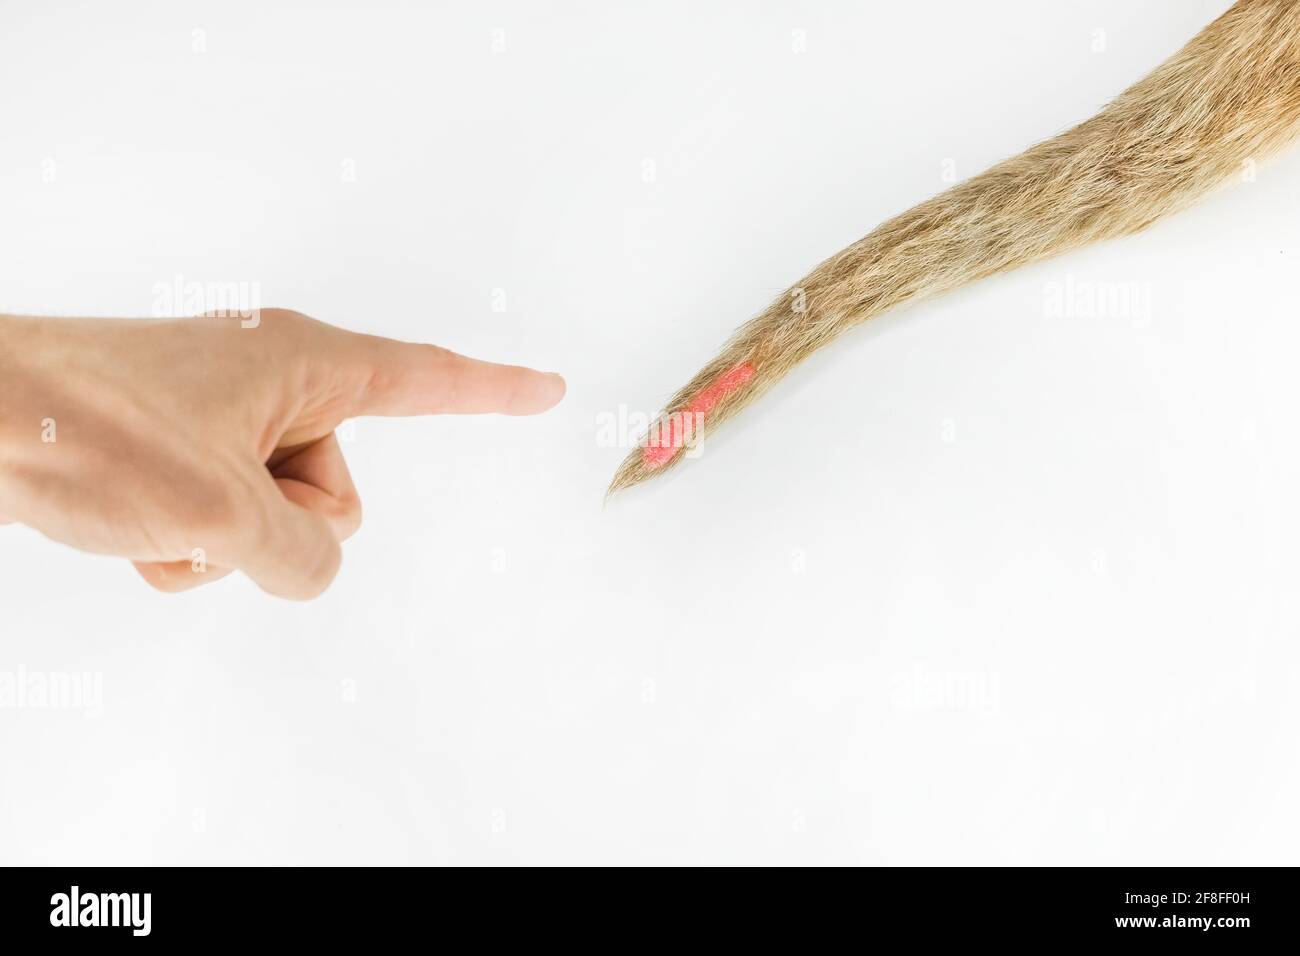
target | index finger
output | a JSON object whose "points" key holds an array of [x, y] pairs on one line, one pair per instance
{"points": [[403, 378]]}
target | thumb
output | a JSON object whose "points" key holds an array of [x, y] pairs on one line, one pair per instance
{"points": [[286, 549]]}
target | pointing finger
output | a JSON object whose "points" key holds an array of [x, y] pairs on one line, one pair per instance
{"points": [[401, 378]]}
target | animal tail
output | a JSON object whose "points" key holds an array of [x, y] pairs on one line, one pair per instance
{"points": [[1231, 96]]}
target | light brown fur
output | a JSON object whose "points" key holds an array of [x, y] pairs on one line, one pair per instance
{"points": [[1230, 96]]}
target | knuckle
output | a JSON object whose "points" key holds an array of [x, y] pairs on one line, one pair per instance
{"points": [[319, 573], [349, 515], [280, 316], [215, 515], [215, 519]]}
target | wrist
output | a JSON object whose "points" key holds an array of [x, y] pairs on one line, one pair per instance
{"points": [[20, 350]]}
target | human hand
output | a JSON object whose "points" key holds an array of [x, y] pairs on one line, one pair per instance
{"points": [[198, 446]]}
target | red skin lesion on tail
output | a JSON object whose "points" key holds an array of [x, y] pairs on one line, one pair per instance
{"points": [[674, 434]]}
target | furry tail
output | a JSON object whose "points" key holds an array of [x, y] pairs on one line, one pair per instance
{"points": [[1230, 96]]}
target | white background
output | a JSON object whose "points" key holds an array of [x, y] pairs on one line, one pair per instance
{"points": [[982, 583]]}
